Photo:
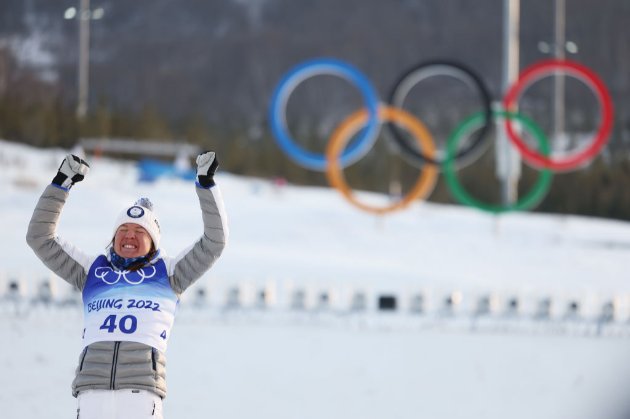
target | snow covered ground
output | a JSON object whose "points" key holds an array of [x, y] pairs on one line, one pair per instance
{"points": [[335, 357]]}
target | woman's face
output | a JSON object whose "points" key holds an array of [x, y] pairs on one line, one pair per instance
{"points": [[132, 241]]}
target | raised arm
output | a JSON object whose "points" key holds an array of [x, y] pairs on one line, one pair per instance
{"points": [[62, 258], [196, 260]]}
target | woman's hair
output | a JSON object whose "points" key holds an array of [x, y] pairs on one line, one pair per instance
{"points": [[139, 264]]}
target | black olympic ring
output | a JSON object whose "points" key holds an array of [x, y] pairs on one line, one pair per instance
{"points": [[427, 69]]}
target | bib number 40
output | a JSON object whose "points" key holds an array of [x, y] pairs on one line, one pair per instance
{"points": [[127, 324]]}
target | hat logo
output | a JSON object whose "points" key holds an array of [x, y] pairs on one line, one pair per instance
{"points": [[135, 212]]}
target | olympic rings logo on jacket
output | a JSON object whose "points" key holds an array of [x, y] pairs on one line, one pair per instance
{"points": [[111, 276]]}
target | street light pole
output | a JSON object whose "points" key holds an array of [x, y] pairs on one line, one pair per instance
{"points": [[559, 86], [84, 58]]}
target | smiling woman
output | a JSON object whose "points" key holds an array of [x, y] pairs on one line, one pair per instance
{"points": [[130, 293], [132, 241], [136, 236]]}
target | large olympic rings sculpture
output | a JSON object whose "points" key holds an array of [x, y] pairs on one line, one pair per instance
{"points": [[369, 120]]}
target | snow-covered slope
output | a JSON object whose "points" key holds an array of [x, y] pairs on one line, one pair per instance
{"points": [[333, 362]]}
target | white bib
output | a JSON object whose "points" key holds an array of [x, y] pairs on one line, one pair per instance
{"points": [[137, 306]]}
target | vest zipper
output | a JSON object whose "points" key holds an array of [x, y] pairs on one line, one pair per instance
{"points": [[153, 359], [114, 364], [83, 358]]}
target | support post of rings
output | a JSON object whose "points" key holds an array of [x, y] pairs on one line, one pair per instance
{"points": [[558, 83], [508, 162]]}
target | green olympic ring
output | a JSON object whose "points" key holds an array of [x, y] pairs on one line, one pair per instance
{"points": [[533, 197]]}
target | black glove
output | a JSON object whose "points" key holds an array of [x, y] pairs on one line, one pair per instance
{"points": [[207, 164], [72, 170]]}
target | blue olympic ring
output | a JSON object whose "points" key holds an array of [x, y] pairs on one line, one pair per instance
{"points": [[299, 73]]}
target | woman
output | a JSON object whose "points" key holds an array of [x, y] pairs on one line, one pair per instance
{"points": [[130, 293]]}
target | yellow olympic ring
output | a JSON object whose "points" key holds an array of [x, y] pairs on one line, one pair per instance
{"points": [[350, 126]]}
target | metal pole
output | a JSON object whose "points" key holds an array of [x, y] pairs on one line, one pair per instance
{"points": [[508, 159], [559, 86], [84, 58]]}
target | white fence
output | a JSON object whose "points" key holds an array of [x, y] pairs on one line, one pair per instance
{"points": [[477, 310]]}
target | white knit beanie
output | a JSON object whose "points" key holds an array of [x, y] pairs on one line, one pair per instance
{"points": [[141, 213]]}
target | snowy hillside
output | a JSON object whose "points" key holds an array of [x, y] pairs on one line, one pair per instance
{"points": [[519, 316]]}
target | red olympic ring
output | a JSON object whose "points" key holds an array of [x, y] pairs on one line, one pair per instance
{"points": [[536, 72]]}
